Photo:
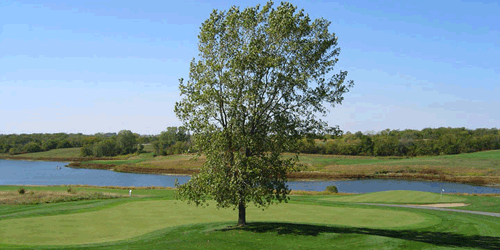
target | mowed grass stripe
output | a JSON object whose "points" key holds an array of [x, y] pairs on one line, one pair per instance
{"points": [[138, 218], [399, 197]]}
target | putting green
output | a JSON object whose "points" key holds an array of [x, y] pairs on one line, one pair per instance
{"points": [[138, 218], [399, 196]]}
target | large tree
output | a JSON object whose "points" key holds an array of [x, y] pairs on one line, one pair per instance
{"points": [[262, 77], [126, 142]]}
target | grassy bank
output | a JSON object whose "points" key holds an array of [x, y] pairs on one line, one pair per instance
{"points": [[155, 221]]}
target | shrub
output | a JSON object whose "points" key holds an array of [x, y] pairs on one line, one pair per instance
{"points": [[12, 151], [178, 148], [105, 148], [86, 150], [140, 148], [332, 189], [21, 190], [125, 142], [71, 191]]}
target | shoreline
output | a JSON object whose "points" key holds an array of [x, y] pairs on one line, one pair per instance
{"points": [[75, 162], [293, 192]]}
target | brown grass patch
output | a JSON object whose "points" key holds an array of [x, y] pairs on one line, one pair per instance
{"points": [[373, 168], [38, 197], [476, 180], [302, 192], [116, 187], [92, 166], [175, 161], [147, 170]]}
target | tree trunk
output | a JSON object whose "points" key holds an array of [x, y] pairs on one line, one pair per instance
{"points": [[242, 214]]}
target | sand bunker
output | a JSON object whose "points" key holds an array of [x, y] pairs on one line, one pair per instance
{"points": [[445, 205]]}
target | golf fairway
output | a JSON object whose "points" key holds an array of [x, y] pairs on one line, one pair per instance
{"points": [[400, 196], [138, 218]]}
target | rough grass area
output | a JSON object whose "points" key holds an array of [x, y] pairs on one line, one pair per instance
{"points": [[31, 197], [401, 197], [183, 161], [478, 163], [138, 218]]}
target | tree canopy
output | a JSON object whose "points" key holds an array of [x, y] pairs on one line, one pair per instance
{"points": [[262, 78]]}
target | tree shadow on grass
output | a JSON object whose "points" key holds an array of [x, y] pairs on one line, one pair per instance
{"points": [[435, 238]]}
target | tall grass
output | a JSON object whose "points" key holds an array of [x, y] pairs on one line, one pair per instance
{"points": [[31, 197]]}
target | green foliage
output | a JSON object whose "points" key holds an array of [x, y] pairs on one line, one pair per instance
{"points": [[140, 148], [178, 148], [21, 190], [105, 148], [32, 147], [64, 144], [86, 150], [332, 189], [49, 144], [46, 142], [406, 143], [172, 141], [6, 147], [262, 76], [126, 142]]}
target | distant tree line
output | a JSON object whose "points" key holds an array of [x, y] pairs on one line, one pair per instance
{"points": [[125, 142], [30, 143], [172, 141], [177, 140], [428, 141]]}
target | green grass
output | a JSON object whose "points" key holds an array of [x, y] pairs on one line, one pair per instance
{"points": [[147, 160], [485, 159], [475, 203], [485, 163], [477, 233], [307, 222], [54, 153], [325, 160], [138, 218], [481, 160], [400, 197]]}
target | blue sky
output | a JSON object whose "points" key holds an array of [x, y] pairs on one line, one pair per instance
{"points": [[104, 66]]}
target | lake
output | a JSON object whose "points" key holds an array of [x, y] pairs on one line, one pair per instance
{"points": [[46, 173]]}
